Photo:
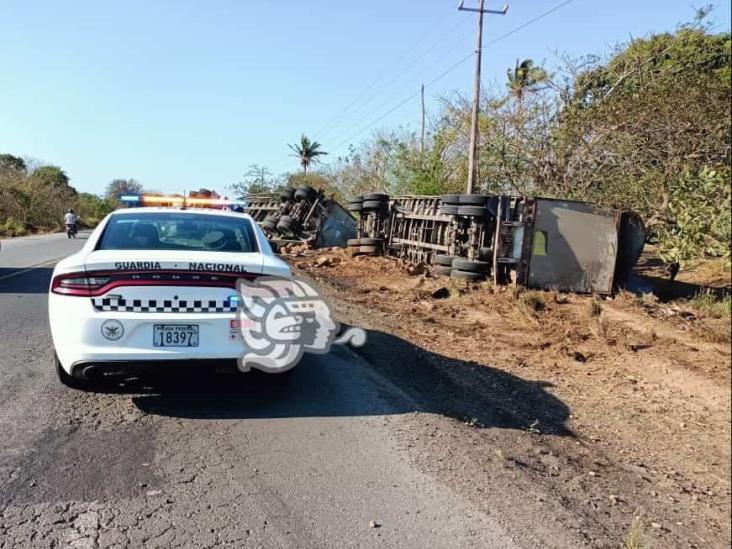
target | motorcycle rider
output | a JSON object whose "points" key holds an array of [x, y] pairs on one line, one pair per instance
{"points": [[70, 220]]}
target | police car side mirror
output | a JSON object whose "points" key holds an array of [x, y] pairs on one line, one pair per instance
{"points": [[275, 247]]}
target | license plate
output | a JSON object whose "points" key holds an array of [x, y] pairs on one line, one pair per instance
{"points": [[175, 335]]}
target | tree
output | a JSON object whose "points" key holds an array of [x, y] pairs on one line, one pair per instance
{"points": [[52, 176], [92, 208], [119, 187], [647, 126], [525, 77], [307, 151], [10, 163], [259, 179]]}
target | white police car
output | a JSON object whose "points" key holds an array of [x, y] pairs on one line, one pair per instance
{"points": [[155, 286]]}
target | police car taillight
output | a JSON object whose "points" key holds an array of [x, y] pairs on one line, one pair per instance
{"points": [[76, 284]]}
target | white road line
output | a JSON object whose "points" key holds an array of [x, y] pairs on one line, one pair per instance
{"points": [[28, 269]]}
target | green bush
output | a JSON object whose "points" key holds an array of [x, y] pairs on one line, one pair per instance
{"points": [[36, 200], [699, 222], [12, 227]]}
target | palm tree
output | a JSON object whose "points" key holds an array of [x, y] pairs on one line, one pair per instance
{"points": [[306, 151], [525, 77]]}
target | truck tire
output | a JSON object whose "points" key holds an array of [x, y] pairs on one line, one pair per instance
{"points": [[270, 223], [473, 200], [479, 267], [450, 199], [465, 275], [286, 195], [444, 260], [304, 193], [372, 241], [368, 250], [381, 197], [353, 242], [286, 224], [373, 205], [355, 207], [472, 211], [441, 270], [449, 209]]}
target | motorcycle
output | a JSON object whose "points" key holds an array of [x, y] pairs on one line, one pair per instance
{"points": [[71, 230]]}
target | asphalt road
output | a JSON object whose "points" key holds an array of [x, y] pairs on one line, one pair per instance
{"points": [[205, 461]]}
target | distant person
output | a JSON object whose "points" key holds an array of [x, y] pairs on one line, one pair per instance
{"points": [[71, 218], [70, 221]]}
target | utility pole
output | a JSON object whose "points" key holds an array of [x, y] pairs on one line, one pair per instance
{"points": [[423, 116], [474, 130]]}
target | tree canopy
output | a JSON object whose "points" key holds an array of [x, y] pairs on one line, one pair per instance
{"points": [[118, 187], [35, 198], [307, 151], [8, 162], [646, 128]]}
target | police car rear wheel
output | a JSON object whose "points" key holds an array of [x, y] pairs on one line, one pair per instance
{"points": [[69, 380]]}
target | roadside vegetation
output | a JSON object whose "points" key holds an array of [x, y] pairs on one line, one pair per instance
{"points": [[34, 197], [645, 127]]}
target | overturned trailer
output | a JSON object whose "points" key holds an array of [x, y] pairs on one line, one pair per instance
{"points": [[301, 216], [535, 242]]}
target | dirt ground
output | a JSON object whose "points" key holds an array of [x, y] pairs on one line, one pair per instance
{"points": [[575, 420]]}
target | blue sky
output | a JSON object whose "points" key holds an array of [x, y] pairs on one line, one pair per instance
{"points": [[183, 94]]}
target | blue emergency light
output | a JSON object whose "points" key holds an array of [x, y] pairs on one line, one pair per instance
{"points": [[130, 199]]}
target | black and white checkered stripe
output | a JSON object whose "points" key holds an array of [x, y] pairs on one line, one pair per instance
{"points": [[164, 306]]}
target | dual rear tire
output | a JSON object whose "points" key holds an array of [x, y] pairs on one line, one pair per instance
{"points": [[466, 205], [366, 246], [460, 268], [369, 202]]}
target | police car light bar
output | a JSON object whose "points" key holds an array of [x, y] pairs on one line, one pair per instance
{"points": [[161, 199], [177, 201]]}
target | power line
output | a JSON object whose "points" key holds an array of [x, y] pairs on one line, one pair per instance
{"points": [[399, 75], [430, 32], [453, 67], [379, 78], [390, 97]]}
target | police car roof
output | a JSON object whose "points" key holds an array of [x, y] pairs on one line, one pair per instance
{"points": [[181, 211]]}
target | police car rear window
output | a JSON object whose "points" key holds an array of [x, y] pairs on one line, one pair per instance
{"points": [[178, 231]]}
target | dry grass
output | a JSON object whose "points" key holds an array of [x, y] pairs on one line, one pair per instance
{"points": [[635, 538], [532, 302], [559, 299], [711, 306], [595, 308]]}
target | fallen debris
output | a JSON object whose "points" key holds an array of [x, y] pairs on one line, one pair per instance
{"points": [[440, 293]]}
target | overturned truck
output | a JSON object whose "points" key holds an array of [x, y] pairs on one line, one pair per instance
{"points": [[535, 242], [301, 216]]}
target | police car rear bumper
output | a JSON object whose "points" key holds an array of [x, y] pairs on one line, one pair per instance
{"points": [[79, 341], [97, 370]]}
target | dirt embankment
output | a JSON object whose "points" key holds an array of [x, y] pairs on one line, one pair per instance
{"points": [[580, 420]]}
